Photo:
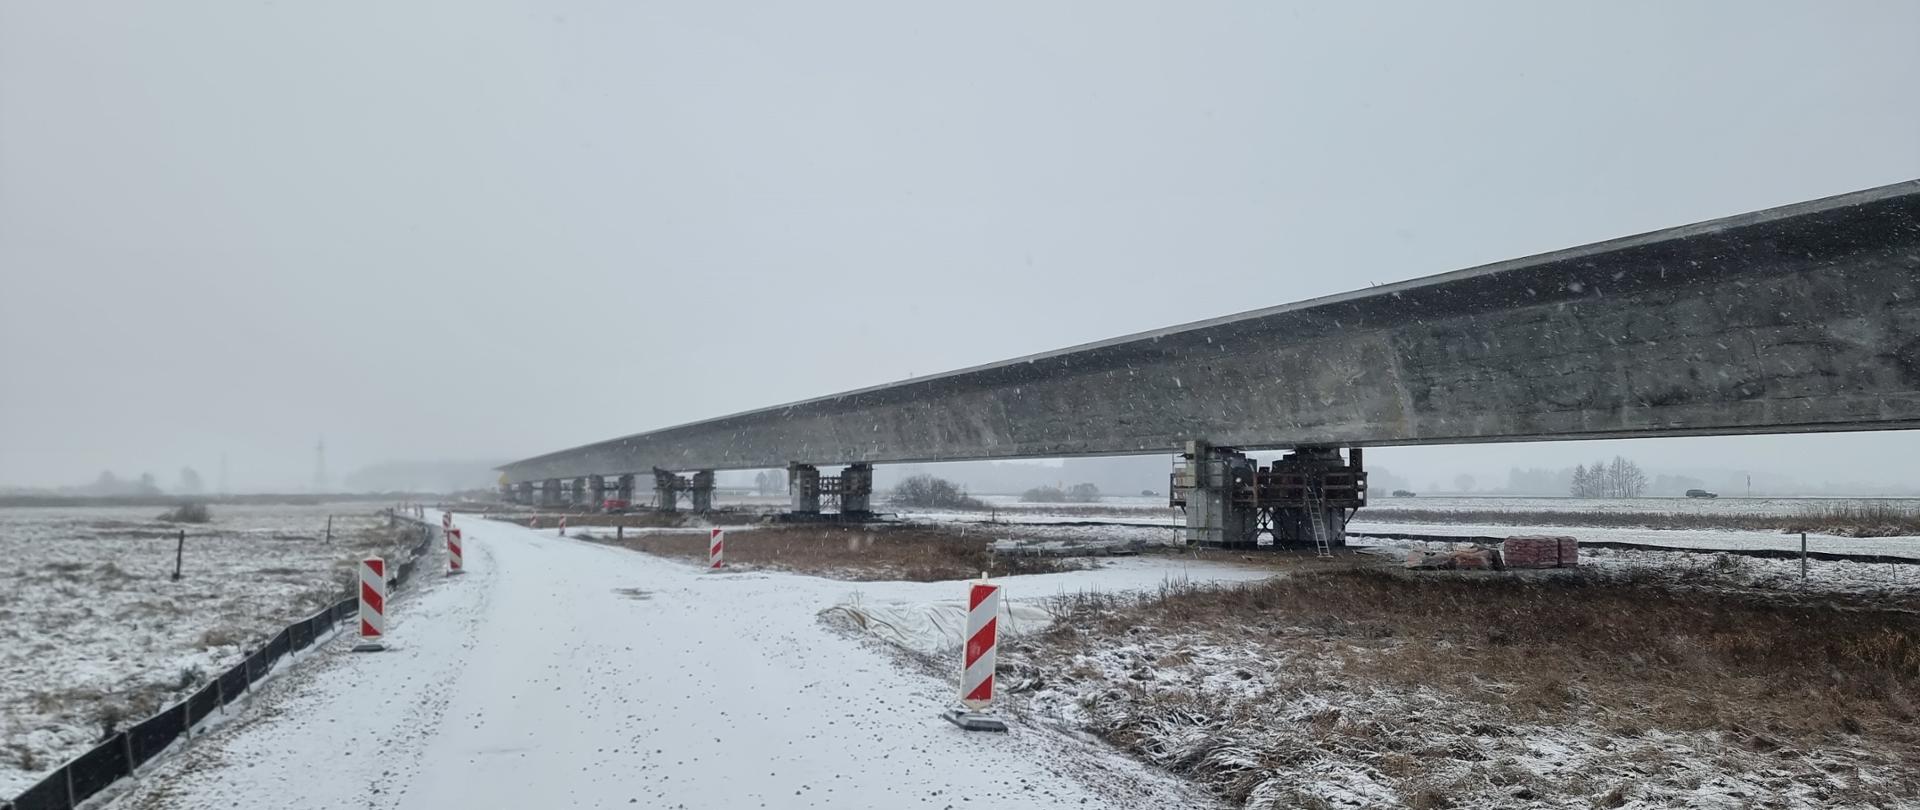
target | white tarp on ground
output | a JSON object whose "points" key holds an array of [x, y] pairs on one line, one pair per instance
{"points": [[905, 616], [934, 627]]}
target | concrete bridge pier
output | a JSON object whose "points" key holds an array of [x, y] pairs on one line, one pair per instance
{"points": [[702, 489], [624, 488], [856, 490], [1204, 483], [550, 492], [596, 492], [1333, 486], [1230, 500], [577, 492], [803, 488], [523, 492], [666, 490]]}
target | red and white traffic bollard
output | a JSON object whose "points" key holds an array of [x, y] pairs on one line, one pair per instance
{"points": [[533, 523], [562, 531], [716, 549], [373, 605], [976, 662], [456, 564]]}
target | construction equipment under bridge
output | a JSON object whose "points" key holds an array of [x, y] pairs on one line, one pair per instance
{"points": [[1803, 318]]}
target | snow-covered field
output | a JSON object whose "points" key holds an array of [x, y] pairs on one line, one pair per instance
{"points": [[1157, 507], [1830, 576], [94, 630], [1040, 524], [1712, 539], [1784, 507], [1114, 501]]}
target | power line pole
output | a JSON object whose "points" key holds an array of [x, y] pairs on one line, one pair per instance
{"points": [[320, 466]]}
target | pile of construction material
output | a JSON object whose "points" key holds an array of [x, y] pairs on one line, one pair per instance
{"points": [[1540, 551], [1461, 557]]}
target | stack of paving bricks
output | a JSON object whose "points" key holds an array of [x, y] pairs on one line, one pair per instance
{"points": [[1540, 551]]}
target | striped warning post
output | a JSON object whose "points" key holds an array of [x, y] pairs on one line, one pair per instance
{"points": [[562, 531], [976, 663], [446, 520], [373, 605], [716, 548], [455, 562], [983, 619]]}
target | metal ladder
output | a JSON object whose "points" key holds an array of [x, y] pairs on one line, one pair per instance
{"points": [[1317, 516]]}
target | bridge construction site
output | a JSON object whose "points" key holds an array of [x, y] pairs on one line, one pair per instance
{"points": [[1798, 319]]}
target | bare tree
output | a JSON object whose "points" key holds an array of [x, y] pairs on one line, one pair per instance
{"points": [[1619, 478], [1582, 486], [1626, 477]]}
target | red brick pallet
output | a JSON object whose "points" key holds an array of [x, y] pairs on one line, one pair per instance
{"points": [[1540, 551]]}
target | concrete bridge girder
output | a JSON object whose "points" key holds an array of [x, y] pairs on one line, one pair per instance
{"points": [[1797, 319]]}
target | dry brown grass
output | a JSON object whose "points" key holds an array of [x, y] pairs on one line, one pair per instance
{"points": [[1858, 519], [863, 553], [22, 756], [224, 636], [1628, 651], [1428, 686]]}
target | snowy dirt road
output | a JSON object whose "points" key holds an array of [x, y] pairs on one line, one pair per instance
{"points": [[561, 673]]}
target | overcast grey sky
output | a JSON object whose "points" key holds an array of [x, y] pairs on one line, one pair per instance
{"points": [[471, 229]]}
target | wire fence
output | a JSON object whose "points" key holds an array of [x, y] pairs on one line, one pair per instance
{"points": [[119, 756]]}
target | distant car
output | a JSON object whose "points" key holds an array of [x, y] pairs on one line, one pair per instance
{"points": [[1701, 493], [615, 505], [1401, 493]]}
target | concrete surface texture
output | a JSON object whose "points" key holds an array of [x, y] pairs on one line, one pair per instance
{"points": [[1794, 319]]}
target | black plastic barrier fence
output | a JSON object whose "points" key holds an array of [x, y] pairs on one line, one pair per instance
{"points": [[117, 757]]}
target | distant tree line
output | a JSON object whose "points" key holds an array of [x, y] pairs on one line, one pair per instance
{"points": [[928, 492], [1078, 493], [1618, 478]]}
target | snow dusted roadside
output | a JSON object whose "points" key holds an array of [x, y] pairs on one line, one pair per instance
{"points": [[94, 633], [1271, 703]]}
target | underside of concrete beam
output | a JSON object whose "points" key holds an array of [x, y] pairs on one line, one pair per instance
{"points": [[1804, 318]]}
